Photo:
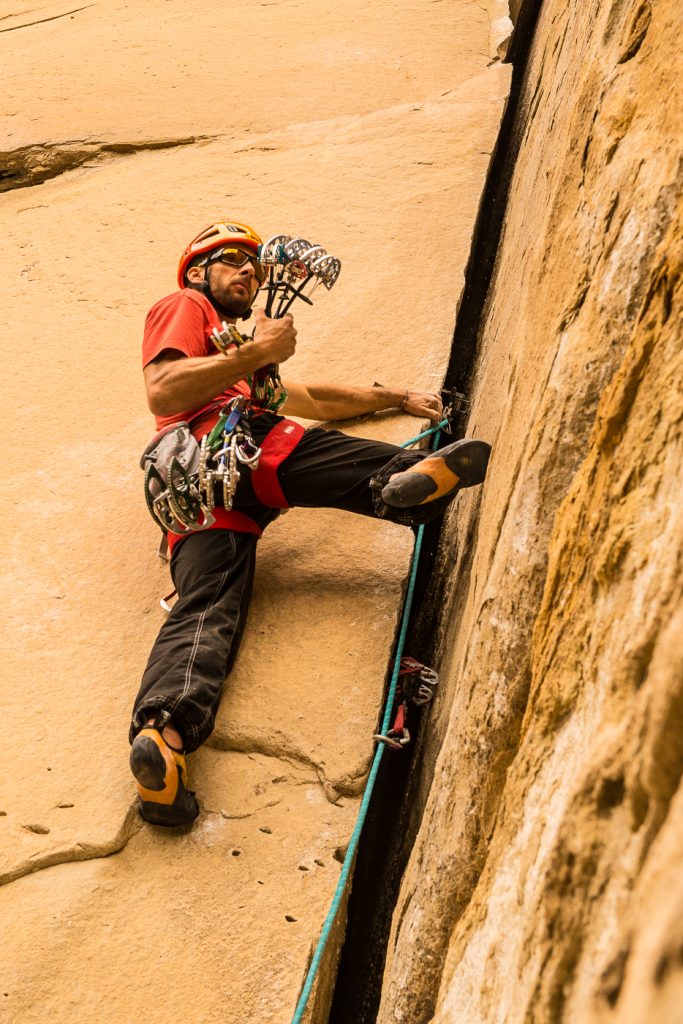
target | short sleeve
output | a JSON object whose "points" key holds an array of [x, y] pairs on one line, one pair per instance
{"points": [[175, 322]]}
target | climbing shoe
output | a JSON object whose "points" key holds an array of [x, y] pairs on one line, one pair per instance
{"points": [[441, 475], [161, 772]]}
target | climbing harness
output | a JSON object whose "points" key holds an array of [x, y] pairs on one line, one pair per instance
{"points": [[416, 684], [316, 960], [181, 476]]}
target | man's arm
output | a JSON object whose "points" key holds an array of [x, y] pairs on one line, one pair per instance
{"points": [[330, 402], [176, 382]]}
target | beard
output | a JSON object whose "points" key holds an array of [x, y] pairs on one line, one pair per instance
{"points": [[234, 302], [235, 307]]}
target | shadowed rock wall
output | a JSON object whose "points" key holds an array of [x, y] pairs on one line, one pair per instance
{"points": [[545, 881]]}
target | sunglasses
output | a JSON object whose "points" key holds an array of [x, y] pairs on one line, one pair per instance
{"points": [[237, 258]]}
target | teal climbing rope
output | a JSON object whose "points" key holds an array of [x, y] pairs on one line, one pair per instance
{"points": [[386, 721], [425, 433]]}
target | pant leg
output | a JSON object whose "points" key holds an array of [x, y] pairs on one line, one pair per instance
{"points": [[197, 645], [329, 469]]}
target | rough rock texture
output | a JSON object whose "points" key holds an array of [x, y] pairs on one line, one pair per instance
{"points": [[545, 881], [126, 128]]}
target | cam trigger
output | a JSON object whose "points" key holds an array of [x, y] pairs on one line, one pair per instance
{"points": [[417, 681]]}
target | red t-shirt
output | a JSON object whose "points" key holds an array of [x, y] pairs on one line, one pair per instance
{"points": [[184, 321]]}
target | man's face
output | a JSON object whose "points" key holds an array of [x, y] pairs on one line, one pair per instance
{"points": [[233, 287]]}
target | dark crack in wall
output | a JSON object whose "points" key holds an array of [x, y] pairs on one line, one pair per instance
{"points": [[404, 778]]}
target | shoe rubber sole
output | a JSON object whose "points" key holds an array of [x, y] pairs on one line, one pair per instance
{"points": [[160, 773], [441, 475]]}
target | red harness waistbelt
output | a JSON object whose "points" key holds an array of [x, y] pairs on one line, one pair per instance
{"points": [[225, 520], [277, 445]]}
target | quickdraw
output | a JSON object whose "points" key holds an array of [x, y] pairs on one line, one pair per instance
{"points": [[295, 269], [416, 683], [229, 445], [398, 736]]}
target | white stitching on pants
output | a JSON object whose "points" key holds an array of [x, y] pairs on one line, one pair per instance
{"points": [[197, 729], [197, 637], [195, 648]]}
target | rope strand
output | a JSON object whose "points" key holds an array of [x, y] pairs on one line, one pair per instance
{"points": [[365, 802]]}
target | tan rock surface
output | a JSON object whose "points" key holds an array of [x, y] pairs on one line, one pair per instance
{"points": [[170, 917], [369, 129], [544, 882]]}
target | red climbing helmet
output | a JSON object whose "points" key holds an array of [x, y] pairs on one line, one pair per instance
{"points": [[221, 233]]}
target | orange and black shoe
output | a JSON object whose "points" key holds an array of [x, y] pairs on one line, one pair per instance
{"points": [[160, 773], [441, 475]]}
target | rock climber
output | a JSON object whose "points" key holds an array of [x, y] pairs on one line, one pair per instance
{"points": [[188, 379]]}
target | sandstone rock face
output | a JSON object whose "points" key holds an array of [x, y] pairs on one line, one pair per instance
{"points": [[545, 881], [126, 128]]}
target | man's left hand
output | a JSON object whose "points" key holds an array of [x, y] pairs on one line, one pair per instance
{"points": [[423, 403]]}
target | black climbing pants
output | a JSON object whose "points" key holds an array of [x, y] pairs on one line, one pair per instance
{"points": [[213, 573]]}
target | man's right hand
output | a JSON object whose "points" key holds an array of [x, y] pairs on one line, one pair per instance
{"points": [[176, 382], [276, 338]]}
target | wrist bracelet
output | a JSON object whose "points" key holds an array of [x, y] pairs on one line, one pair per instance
{"points": [[402, 402]]}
